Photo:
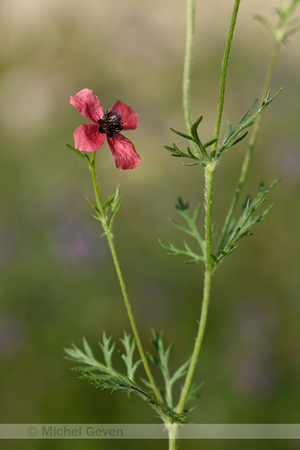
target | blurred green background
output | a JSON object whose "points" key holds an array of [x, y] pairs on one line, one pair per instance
{"points": [[57, 279]]}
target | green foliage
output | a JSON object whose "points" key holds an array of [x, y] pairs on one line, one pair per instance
{"points": [[103, 375], [286, 26], [162, 362], [198, 156], [111, 207], [243, 226], [78, 152], [127, 356], [229, 239], [175, 151], [86, 357], [191, 230], [232, 137]]}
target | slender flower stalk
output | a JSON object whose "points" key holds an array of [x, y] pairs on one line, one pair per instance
{"points": [[111, 244], [223, 76]]}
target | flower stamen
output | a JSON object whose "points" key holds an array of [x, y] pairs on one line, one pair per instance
{"points": [[111, 123]]}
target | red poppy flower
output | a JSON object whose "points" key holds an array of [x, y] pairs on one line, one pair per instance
{"points": [[90, 137]]}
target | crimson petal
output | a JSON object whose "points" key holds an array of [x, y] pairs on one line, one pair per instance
{"points": [[123, 152], [130, 117], [87, 138], [88, 104]]}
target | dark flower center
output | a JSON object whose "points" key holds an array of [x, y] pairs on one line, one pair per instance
{"points": [[111, 123]]}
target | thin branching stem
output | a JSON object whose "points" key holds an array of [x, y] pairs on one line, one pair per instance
{"points": [[111, 244], [223, 77]]}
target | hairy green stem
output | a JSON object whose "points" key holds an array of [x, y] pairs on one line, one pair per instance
{"points": [[187, 68], [189, 44], [111, 244], [223, 76], [209, 174], [172, 431]]}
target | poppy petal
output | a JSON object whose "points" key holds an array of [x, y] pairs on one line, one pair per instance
{"points": [[87, 138], [130, 117], [88, 104], [123, 152]]}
